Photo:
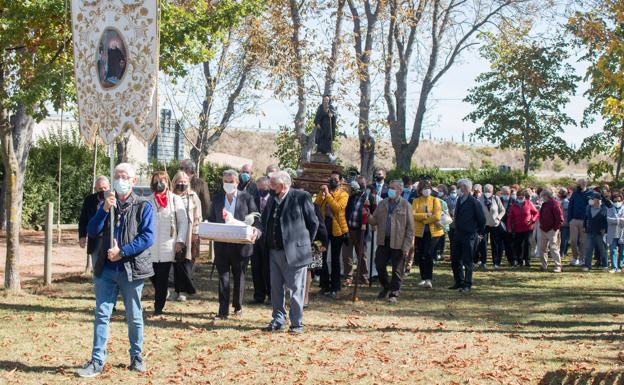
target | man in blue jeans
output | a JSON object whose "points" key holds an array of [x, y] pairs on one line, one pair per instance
{"points": [[121, 267]]}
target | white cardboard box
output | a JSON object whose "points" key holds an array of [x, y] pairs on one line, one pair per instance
{"points": [[221, 232]]}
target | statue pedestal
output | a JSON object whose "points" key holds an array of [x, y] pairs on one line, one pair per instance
{"points": [[316, 174]]}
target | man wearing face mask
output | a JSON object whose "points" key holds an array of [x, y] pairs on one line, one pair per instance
{"points": [[469, 225], [120, 267], [247, 183], [359, 200], [577, 209], [289, 225], [333, 203], [232, 258], [494, 211], [379, 188], [260, 258], [89, 208], [395, 236], [596, 227]]}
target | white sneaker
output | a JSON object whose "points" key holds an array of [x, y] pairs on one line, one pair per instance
{"points": [[585, 268], [613, 271], [573, 262], [422, 283], [181, 297], [427, 285], [579, 262], [168, 294]]}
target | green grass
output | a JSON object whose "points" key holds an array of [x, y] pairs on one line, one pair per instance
{"points": [[516, 327]]}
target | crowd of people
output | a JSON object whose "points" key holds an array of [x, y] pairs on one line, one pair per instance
{"points": [[299, 239]]}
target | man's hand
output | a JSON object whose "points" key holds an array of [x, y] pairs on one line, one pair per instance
{"points": [[254, 235], [114, 253], [109, 202], [324, 190], [83, 242], [429, 215], [178, 247], [405, 253]]}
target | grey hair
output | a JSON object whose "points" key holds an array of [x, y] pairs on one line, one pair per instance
{"points": [[263, 179], [102, 178], [127, 168], [188, 165], [466, 182], [397, 182], [230, 172], [272, 168], [488, 187], [506, 189], [281, 177], [548, 192], [477, 187]]}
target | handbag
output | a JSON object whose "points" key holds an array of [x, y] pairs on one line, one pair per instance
{"points": [[445, 219], [181, 255], [317, 258]]}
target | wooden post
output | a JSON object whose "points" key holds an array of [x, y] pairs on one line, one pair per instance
{"points": [[47, 265]]}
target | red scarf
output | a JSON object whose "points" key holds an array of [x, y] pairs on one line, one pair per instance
{"points": [[161, 199]]}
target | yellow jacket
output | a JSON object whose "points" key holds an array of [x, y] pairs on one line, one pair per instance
{"points": [[421, 219], [337, 202]]}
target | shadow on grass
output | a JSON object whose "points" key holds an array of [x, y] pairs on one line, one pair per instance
{"points": [[563, 377], [21, 367]]}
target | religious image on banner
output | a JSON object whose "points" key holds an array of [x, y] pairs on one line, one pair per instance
{"points": [[116, 67], [112, 56]]}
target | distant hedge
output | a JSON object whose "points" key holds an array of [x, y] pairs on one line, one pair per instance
{"points": [[491, 175]]}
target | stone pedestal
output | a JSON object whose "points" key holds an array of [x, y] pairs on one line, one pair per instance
{"points": [[315, 175]]}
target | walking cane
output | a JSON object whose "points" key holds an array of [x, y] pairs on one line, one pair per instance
{"points": [[370, 270]]}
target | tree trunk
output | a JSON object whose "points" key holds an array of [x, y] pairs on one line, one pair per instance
{"points": [[299, 74], [618, 167], [16, 138], [527, 157], [330, 73]]}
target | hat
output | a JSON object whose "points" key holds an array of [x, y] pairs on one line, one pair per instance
{"points": [[596, 196]]}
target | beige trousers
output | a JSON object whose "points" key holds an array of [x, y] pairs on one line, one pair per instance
{"points": [[549, 247], [578, 239]]}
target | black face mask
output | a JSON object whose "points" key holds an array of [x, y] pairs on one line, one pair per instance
{"points": [[158, 187], [362, 187], [101, 195], [379, 178], [181, 187], [333, 184], [263, 193], [273, 193]]}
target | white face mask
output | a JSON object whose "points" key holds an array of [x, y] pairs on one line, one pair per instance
{"points": [[487, 195], [618, 204], [426, 192], [229, 188]]}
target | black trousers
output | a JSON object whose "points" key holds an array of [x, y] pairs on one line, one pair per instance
{"points": [[495, 236], [260, 273], [439, 250], [425, 249], [160, 280], [383, 255], [331, 282], [508, 246], [236, 265], [521, 248], [183, 277], [462, 257]]}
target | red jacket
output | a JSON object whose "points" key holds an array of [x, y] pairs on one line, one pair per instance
{"points": [[522, 218], [551, 216]]}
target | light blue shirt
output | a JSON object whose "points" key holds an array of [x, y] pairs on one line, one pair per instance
{"points": [[231, 207]]}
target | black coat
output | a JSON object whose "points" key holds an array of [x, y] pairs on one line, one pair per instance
{"points": [[321, 233], [89, 207], [469, 218], [384, 189], [245, 205], [299, 225]]}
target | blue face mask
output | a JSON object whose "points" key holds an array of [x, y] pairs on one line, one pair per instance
{"points": [[244, 177], [453, 195], [406, 190], [122, 186], [391, 194]]}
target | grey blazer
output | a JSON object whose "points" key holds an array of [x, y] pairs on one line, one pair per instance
{"points": [[299, 225]]}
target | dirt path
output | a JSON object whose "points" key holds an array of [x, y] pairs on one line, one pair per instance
{"points": [[67, 256]]}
